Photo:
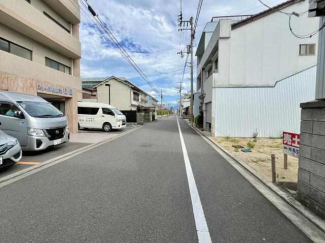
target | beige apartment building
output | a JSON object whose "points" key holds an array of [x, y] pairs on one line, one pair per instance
{"points": [[40, 51]]}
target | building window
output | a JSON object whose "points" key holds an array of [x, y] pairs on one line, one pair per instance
{"points": [[307, 50], [57, 66], [57, 22], [4, 45], [87, 111], [17, 50], [20, 51], [216, 65], [144, 99], [209, 71], [136, 96]]}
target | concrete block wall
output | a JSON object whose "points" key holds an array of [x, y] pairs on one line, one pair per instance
{"points": [[311, 177]]}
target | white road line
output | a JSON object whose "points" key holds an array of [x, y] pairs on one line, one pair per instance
{"points": [[200, 221]]}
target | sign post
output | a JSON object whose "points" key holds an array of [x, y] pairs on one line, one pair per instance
{"points": [[291, 145]]}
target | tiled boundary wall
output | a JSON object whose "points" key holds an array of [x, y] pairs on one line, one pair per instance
{"points": [[14, 83]]}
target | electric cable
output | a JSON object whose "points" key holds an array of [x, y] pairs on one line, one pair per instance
{"points": [[116, 43], [288, 14], [306, 36], [199, 7], [298, 15]]}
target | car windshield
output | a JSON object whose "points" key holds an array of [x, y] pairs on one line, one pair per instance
{"points": [[40, 109], [116, 111]]}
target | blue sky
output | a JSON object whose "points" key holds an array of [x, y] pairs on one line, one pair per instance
{"points": [[147, 29]]}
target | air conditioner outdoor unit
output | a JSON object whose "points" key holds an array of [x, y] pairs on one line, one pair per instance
{"points": [[316, 8]]}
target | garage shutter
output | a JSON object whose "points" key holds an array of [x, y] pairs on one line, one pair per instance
{"points": [[208, 108]]}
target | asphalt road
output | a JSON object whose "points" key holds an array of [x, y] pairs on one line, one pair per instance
{"points": [[135, 189]]}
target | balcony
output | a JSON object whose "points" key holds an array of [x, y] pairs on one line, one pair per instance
{"points": [[21, 67], [25, 19], [68, 9]]}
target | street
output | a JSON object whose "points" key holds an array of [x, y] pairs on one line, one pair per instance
{"points": [[136, 189]]}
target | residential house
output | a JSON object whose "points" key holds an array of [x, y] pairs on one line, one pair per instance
{"points": [[40, 52], [253, 73], [185, 105], [89, 94], [122, 94]]}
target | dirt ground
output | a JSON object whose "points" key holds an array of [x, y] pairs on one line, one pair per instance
{"points": [[260, 157]]}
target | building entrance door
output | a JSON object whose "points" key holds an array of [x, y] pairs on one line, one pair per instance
{"points": [[56, 101]]}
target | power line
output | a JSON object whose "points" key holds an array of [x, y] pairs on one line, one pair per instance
{"points": [[307, 36], [117, 44], [288, 14], [298, 15], [199, 7], [255, 7], [184, 69]]}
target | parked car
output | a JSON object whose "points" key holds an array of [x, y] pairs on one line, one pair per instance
{"points": [[100, 116], [10, 150], [33, 121]]}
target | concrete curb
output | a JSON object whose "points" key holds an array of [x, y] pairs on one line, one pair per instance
{"points": [[310, 216], [26, 172]]}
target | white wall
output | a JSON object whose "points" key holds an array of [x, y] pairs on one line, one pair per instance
{"points": [[264, 51], [239, 112], [220, 32], [208, 89], [196, 104]]}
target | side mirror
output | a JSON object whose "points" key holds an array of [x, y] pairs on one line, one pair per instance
{"points": [[19, 114]]}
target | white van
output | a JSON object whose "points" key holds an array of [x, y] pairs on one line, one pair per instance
{"points": [[100, 116]]}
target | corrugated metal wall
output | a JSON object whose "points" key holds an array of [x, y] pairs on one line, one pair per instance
{"points": [[242, 111]]}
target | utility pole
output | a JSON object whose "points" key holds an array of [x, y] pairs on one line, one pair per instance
{"points": [[192, 70], [161, 102], [180, 98], [189, 25]]}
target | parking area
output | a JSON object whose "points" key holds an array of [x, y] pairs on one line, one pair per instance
{"points": [[77, 141]]}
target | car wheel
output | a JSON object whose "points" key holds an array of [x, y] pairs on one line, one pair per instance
{"points": [[107, 127]]}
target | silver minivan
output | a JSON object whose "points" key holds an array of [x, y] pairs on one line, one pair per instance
{"points": [[33, 121]]}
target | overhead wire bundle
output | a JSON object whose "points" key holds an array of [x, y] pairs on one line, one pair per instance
{"points": [[110, 37], [298, 15]]}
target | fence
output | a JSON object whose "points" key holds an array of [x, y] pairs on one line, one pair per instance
{"points": [[131, 116]]}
